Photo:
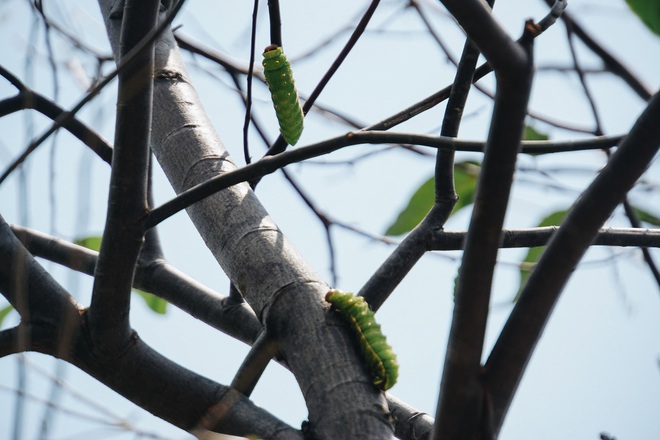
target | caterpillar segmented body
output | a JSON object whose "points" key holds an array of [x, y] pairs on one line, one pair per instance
{"points": [[279, 77], [377, 353]]}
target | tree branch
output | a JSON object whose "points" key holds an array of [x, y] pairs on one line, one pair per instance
{"points": [[409, 423], [44, 307]]}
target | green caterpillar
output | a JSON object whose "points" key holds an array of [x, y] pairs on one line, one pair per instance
{"points": [[279, 77], [377, 353]]}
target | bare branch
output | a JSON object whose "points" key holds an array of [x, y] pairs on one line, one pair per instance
{"points": [[524, 238]]}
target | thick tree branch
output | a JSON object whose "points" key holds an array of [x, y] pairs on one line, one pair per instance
{"points": [[108, 314], [524, 327], [10, 341], [46, 310], [409, 422], [459, 412]]}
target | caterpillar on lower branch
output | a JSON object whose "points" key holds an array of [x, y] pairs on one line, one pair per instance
{"points": [[377, 353], [279, 77]]}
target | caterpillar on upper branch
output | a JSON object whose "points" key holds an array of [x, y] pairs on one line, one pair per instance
{"points": [[279, 77]]}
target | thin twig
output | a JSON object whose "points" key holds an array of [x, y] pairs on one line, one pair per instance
{"points": [[270, 164]]}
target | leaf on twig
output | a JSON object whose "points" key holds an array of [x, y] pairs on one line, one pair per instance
{"points": [[421, 202], [419, 205]]}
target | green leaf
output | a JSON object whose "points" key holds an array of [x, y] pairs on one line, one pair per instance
{"points": [[92, 242], [646, 217], [534, 254], [531, 134], [156, 304], [419, 205], [4, 312], [421, 202], [648, 11]]}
